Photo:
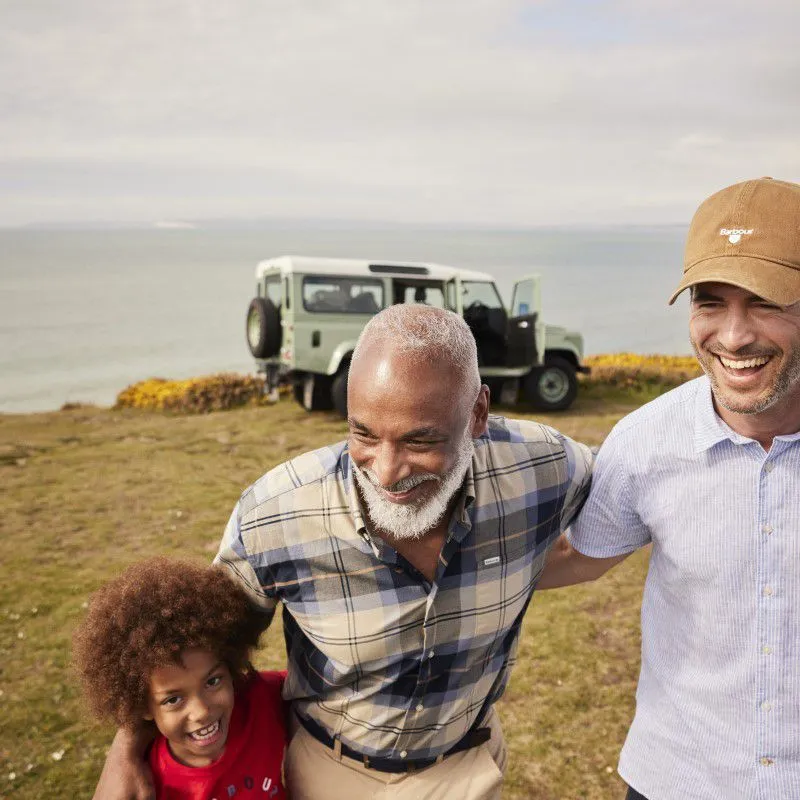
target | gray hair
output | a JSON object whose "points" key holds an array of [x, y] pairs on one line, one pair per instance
{"points": [[431, 334]]}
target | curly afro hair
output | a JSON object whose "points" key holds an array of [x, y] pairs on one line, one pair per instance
{"points": [[146, 618]]}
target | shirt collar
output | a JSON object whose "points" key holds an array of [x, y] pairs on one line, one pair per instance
{"points": [[710, 428]]}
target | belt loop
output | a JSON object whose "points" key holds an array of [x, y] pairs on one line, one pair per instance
{"points": [[337, 748]]}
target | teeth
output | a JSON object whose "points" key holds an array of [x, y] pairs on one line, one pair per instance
{"points": [[205, 733], [750, 362]]}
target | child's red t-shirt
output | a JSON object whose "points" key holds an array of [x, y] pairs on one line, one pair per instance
{"points": [[251, 763]]}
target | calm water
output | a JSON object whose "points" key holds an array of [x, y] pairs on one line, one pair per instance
{"points": [[83, 314]]}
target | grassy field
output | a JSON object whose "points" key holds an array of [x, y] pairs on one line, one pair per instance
{"points": [[88, 491]]}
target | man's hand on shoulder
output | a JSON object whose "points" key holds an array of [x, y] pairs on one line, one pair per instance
{"points": [[566, 566], [126, 775]]}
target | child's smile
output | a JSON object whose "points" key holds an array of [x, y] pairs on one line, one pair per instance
{"points": [[191, 705]]}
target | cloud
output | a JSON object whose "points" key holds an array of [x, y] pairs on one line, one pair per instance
{"points": [[499, 112]]}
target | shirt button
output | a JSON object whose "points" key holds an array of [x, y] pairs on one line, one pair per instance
{"points": [[766, 528], [768, 466], [430, 653], [766, 762], [404, 753], [766, 650], [766, 706], [420, 707], [768, 591]]}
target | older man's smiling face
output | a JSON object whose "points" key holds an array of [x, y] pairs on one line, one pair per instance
{"points": [[748, 347], [411, 432]]}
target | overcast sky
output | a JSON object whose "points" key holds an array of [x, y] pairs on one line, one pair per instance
{"points": [[475, 111]]}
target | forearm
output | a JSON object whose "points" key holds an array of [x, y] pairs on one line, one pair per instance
{"points": [[125, 774], [566, 566]]}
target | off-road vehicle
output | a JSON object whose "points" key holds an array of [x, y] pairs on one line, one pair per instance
{"points": [[308, 313]]}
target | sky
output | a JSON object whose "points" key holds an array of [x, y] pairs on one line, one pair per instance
{"points": [[488, 112]]}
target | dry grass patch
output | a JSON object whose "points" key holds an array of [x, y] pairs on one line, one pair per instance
{"points": [[88, 491]]}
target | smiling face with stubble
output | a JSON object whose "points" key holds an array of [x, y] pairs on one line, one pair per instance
{"points": [[748, 347]]}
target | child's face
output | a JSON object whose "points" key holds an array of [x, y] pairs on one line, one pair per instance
{"points": [[191, 706]]}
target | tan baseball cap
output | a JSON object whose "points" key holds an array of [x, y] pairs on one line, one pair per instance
{"points": [[747, 235]]}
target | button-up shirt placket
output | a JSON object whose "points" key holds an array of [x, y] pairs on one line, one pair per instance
{"points": [[460, 525], [772, 626]]}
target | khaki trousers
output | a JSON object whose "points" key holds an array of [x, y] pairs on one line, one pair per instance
{"points": [[313, 772]]}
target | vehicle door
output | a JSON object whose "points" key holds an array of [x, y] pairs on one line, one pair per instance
{"points": [[331, 312], [487, 318], [525, 334]]}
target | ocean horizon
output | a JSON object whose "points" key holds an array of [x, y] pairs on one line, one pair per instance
{"points": [[84, 313]]}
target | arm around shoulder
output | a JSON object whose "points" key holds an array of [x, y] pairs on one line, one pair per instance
{"points": [[566, 566], [126, 774]]}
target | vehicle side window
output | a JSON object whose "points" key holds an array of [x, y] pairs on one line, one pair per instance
{"points": [[429, 295], [480, 293], [272, 287], [342, 295]]}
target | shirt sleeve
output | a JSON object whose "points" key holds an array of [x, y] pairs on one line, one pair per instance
{"points": [[608, 524], [255, 579], [579, 460]]}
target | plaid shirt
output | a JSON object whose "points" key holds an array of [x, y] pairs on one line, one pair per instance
{"points": [[393, 665]]}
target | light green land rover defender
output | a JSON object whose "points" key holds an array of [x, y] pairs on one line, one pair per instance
{"points": [[308, 313]]}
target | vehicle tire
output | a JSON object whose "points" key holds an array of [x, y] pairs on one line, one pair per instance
{"points": [[315, 392], [339, 391], [263, 328], [552, 387]]}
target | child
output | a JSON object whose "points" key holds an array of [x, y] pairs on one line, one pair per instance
{"points": [[170, 642]]}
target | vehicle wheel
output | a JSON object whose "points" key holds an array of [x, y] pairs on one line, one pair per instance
{"points": [[339, 391], [263, 328], [552, 387], [316, 393]]}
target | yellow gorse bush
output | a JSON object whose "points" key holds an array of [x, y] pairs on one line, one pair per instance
{"points": [[194, 395], [634, 371]]}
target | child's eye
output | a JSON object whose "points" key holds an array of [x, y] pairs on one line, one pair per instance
{"points": [[171, 701], [216, 680]]}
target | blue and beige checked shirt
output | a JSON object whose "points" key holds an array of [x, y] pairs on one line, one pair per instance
{"points": [[393, 665], [718, 702]]}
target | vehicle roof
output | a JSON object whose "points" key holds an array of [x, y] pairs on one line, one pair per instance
{"points": [[360, 267]]}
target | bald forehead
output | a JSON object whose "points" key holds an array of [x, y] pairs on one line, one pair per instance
{"points": [[382, 362]]}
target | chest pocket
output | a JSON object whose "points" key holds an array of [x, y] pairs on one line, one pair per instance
{"points": [[501, 592]]}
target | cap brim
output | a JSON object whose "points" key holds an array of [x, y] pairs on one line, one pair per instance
{"points": [[774, 282]]}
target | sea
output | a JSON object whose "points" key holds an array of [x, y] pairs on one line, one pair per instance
{"points": [[84, 313]]}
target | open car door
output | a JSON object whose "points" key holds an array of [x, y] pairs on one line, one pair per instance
{"points": [[525, 335]]}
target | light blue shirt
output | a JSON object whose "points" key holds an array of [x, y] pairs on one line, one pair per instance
{"points": [[718, 702]]}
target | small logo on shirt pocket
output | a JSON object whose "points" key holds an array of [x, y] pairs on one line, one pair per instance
{"points": [[490, 562]]}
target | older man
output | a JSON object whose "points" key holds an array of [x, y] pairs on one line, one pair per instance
{"points": [[710, 475], [404, 560]]}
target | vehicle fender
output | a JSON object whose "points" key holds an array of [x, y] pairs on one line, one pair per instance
{"points": [[563, 342], [342, 353]]}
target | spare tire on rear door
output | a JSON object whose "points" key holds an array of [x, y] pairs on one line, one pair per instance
{"points": [[263, 328]]}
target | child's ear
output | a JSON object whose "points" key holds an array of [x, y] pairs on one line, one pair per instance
{"points": [[149, 717]]}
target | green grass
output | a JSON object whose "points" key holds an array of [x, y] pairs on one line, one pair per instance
{"points": [[88, 491]]}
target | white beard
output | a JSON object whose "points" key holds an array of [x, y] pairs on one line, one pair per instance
{"points": [[413, 520]]}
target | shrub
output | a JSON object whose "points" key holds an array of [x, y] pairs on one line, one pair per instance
{"points": [[641, 372], [194, 395]]}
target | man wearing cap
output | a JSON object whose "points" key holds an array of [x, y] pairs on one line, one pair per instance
{"points": [[709, 474]]}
